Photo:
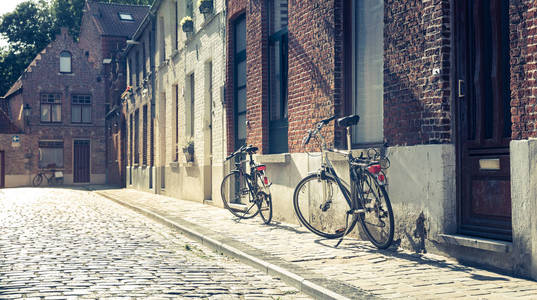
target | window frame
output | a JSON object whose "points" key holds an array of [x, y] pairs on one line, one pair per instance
{"points": [[70, 56], [82, 105], [57, 102], [238, 57], [50, 144]]}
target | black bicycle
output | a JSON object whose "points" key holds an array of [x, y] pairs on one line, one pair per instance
{"points": [[326, 206], [247, 194], [55, 178]]}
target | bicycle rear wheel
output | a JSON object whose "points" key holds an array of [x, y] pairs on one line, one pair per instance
{"points": [[321, 206], [377, 220], [38, 179], [237, 197]]}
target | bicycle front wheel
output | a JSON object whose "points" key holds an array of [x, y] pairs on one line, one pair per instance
{"points": [[237, 197], [321, 206], [377, 220], [37, 180]]}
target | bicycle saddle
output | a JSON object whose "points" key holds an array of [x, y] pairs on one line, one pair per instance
{"points": [[251, 149], [348, 121]]}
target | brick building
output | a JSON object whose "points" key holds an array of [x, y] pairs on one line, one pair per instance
{"points": [[449, 85], [63, 93], [176, 80], [104, 31]]}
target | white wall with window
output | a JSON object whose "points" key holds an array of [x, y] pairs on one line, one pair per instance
{"points": [[368, 70]]}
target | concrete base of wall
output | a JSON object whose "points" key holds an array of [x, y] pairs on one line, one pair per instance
{"points": [[26, 180]]}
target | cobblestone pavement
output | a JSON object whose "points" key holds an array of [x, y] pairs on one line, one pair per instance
{"points": [[384, 274], [62, 243]]}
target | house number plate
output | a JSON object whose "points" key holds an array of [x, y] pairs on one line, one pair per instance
{"points": [[489, 164]]}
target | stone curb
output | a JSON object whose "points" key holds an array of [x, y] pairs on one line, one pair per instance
{"points": [[304, 285]]}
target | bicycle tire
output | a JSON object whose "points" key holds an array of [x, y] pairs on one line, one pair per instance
{"points": [[308, 201], [265, 206], [38, 179], [378, 210], [236, 197]]}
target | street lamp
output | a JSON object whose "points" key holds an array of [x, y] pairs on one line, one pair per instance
{"points": [[27, 110]]}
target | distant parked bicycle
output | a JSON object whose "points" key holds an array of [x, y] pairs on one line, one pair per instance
{"points": [[247, 194], [55, 178], [324, 205]]}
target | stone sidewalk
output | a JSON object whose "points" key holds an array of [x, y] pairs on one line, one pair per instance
{"points": [[355, 270]]}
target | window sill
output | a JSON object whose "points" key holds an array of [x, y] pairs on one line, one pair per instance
{"points": [[281, 158], [476, 243], [174, 165], [67, 74]]}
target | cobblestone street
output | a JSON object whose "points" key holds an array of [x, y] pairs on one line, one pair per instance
{"points": [[58, 243]]}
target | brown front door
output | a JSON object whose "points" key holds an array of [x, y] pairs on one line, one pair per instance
{"points": [[81, 161], [482, 94], [2, 170]]}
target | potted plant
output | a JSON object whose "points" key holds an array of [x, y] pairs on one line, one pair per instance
{"points": [[188, 149], [205, 6], [187, 24]]}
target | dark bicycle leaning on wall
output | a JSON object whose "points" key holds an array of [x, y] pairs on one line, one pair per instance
{"points": [[247, 194], [327, 208]]}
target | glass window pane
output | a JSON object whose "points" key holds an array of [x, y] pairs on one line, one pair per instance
{"points": [[278, 15], [240, 35], [75, 114], [368, 68], [241, 74], [45, 112], [241, 100], [65, 62], [241, 123], [51, 157], [86, 114], [56, 113]]}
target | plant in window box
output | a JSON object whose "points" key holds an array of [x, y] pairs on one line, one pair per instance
{"points": [[205, 6], [187, 24], [188, 149]]}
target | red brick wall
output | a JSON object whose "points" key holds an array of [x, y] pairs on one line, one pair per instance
{"points": [[44, 77], [417, 106], [523, 28]]}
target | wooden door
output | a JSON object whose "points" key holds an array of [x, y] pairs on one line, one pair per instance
{"points": [[81, 161], [482, 93], [2, 170]]}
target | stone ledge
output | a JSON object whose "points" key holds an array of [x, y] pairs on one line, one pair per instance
{"points": [[272, 158], [477, 243]]}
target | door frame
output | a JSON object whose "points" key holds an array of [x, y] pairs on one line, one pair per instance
{"points": [[89, 159], [459, 71]]}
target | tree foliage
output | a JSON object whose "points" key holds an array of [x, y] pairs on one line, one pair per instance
{"points": [[32, 26]]}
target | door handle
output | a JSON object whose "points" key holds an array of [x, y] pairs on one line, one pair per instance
{"points": [[461, 88]]}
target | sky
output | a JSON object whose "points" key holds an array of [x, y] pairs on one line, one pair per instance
{"points": [[7, 6]]}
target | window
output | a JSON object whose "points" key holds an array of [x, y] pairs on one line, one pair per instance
{"points": [[144, 137], [190, 8], [65, 62], [81, 109], [239, 61], [176, 122], [367, 70], [125, 17], [144, 62], [176, 31], [131, 142], [136, 152], [131, 73], [162, 40], [50, 154], [137, 68], [278, 126], [51, 108], [191, 105]]}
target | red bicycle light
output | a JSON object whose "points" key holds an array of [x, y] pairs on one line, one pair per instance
{"points": [[374, 169], [265, 179], [261, 168], [381, 177]]}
